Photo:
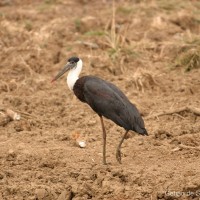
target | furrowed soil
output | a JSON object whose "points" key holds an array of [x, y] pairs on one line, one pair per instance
{"points": [[149, 49]]}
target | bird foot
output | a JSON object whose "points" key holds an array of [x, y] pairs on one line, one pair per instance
{"points": [[104, 160], [104, 163], [118, 156]]}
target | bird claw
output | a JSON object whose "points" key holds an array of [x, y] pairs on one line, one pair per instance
{"points": [[118, 156], [104, 162]]}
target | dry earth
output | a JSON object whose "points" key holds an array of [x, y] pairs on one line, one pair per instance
{"points": [[150, 49]]}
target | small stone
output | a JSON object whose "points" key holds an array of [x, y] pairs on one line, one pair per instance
{"points": [[12, 114], [176, 149], [65, 195], [40, 194], [82, 144]]}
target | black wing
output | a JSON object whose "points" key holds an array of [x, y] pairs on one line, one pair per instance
{"points": [[109, 101]]}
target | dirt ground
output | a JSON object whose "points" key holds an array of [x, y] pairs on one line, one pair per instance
{"points": [[150, 49]]}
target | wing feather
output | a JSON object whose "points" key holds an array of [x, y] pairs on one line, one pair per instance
{"points": [[109, 101]]}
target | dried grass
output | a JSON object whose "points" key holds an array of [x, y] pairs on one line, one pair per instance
{"points": [[190, 60], [143, 79], [115, 40], [189, 55]]}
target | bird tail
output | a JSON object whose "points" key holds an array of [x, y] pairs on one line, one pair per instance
{"points": [[141, 130], [144, 132], [139, 126]]}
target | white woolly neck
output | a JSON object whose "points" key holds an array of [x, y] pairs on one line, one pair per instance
{"points": [[73, 74]]}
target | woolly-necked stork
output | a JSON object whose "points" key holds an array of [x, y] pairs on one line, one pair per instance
{"points": [[105, 99]]}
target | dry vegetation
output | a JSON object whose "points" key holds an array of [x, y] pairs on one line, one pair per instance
{"points": [[149, 48]]}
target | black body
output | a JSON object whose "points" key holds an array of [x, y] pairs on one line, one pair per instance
{"points": [[109, 101]]}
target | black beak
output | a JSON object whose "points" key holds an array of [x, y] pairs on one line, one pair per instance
{"points": [[67, 67]]}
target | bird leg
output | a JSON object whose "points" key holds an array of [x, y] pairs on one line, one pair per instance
{"points": [[104, 140], [118, 153]]}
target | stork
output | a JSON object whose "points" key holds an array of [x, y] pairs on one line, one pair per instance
{"points": [[106, 99]]}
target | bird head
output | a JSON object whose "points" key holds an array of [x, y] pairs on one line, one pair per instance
{"points": [[73, 63]]}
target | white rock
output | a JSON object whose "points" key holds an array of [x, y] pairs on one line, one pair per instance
{"points": [[82, 144]]}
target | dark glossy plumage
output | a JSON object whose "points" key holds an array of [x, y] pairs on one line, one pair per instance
{"points": [[109, 101], [105, 99]]}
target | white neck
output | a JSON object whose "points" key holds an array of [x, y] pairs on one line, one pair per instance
{"points": [[73, 74]]}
